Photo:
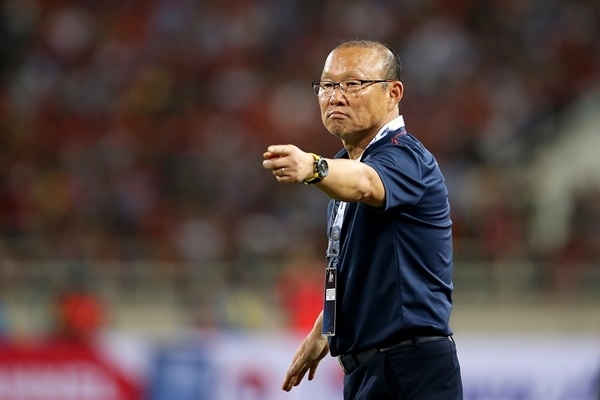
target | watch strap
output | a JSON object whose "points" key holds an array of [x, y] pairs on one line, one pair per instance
{"points": [[316, 178]]}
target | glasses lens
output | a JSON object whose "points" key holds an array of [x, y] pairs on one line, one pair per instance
{"points": [[351, 86], [325, 88]]}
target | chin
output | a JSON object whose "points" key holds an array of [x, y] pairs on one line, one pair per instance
{"points": [[335, 131], [337, 127]]}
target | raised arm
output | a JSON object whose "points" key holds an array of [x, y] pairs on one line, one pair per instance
{"points": [[347, 180]]}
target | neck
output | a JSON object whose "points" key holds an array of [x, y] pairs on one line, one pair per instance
{"points": [[356, 149], [356, 144], [355, 152]]}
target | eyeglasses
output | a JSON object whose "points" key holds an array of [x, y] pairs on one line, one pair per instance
{"points": [[347, 86]]}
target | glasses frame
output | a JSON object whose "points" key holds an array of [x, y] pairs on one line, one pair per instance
{"points": [[316, 85]]}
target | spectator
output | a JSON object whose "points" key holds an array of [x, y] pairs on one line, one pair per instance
{"points": [[80, 315]]}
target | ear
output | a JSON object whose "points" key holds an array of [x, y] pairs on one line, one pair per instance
{"points": [[396, 93]]}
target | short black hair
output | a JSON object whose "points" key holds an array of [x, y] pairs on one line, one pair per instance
{"points": [[393, 65]]}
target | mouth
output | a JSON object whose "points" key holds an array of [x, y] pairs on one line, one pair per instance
{"points": [[336, 114]]}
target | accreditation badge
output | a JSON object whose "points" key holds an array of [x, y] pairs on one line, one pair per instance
{"points": [[330, 299]]}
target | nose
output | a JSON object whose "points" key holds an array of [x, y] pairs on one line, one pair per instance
{"points": [[337, 96]]}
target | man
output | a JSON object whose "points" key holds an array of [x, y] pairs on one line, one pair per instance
{"points": [[388, 281]]}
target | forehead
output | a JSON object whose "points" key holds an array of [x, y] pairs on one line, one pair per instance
{"points": [[353, 62]]}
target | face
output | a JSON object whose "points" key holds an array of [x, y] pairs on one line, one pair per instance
{"points": [[359, 116]]}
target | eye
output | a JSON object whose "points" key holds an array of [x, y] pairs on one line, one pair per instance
{"points": [[327, 85], [352, 85]]}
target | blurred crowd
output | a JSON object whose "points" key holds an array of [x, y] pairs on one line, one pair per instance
{"points": [[134, 130]]}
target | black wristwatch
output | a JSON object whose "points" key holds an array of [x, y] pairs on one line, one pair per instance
{"points": [[321, 170]]}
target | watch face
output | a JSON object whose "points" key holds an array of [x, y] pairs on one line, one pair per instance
{"points": [[322, 168]]}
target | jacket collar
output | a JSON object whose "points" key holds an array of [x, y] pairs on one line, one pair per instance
{"points": [[389, 130]]}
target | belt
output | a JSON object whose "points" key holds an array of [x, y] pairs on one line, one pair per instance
{"points": [[350, 362]]}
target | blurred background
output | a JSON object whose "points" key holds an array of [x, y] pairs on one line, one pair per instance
{"points": [[132, 196]]}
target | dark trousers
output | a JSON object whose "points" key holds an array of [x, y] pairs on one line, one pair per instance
{"points": [[425, 371]]}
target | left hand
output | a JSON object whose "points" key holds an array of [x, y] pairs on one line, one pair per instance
{"points": [[307, 358]]}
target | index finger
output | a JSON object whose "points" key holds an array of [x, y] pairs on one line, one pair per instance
{"points": [[268, 155], [279, 150], [292, 379]]}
